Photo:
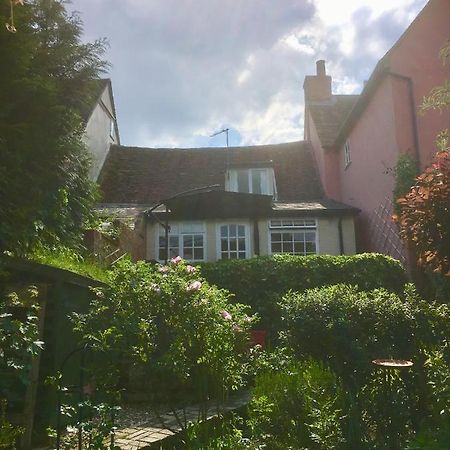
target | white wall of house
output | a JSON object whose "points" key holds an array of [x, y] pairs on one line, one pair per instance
{"points": [[100, 133], [326, 231]]}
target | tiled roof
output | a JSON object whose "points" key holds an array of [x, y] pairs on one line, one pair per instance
{"points": [[148, 175], [328, 117]]}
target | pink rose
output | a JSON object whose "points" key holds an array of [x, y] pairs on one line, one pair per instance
{"points": [[226, 315], [237, 328], [155, 288], [194, 286], [163, 269], [190, 268], [176, 260]]}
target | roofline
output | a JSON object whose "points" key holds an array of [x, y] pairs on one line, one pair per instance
{"points": [[381, 69], [199, 149]]}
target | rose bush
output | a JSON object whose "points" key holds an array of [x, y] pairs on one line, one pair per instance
{"points": [[169, 325]]}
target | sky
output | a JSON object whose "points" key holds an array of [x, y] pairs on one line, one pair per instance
{"points": [[184, 69]]}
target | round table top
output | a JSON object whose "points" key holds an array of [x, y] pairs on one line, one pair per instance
{"points": [[394, 363]]}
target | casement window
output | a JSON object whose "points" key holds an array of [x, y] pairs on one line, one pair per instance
{"points": [[347, 156], [186, 239], [294, 236], [252, 181], [112, 129], [233, 241]]}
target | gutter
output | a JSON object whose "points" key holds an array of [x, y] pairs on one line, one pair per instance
{"points": [[412, 105], [341, 237], [382, 69]]}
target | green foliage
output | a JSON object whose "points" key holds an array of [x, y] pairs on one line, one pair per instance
{"points": [[405, 173], [424, 219], [96, 427], [435, 430], [18, 340], [18, 344], [349, 328], [170, 326], [424, 216], [300, 407], [47, 87], [69, 259], [261, 282], [439, 97], [8, 433], [386, 402]]}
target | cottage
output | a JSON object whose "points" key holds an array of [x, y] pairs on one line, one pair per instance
{"points": [[207, 204]]}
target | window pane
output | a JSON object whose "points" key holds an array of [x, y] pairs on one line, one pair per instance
{"points": [[276, 247], [232, 229], [288, 247], [299, 248], [225, 255], [187, 241], [256, 181], [242, 180], [241, 243], [310, 247], [233, 244], [173, 241], [198, 240], [187, 253], [287, 237], [276, 237], [224, 245], [241, 255], [299, 237], [241, 230], [310, 237], [198, 253]]}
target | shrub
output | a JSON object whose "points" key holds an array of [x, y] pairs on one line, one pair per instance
{"points": [[349, 328], [181, 333], [261, 282], [301, 407]]}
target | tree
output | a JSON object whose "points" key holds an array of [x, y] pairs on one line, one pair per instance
{"points": [[424, 217], [47, 86]]}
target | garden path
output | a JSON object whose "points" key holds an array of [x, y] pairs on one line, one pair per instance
{"points": [[149, 427]]}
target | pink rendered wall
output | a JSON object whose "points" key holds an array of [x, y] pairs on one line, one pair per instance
{"points": [[326, 161], [368, 180], [416, 55]]}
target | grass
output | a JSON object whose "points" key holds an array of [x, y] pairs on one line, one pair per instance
{"points": [[69, 259]]}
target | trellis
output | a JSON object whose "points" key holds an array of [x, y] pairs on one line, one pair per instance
{"points": [[383, 233]]}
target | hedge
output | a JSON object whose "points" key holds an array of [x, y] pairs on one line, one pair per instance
{"points": [[261, 282], [348, 328]]}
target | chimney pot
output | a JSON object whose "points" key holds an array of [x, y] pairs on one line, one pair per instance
{"points": [[320, 68]]}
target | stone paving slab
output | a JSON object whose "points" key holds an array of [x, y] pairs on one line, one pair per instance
{"points": [[155, 428]]}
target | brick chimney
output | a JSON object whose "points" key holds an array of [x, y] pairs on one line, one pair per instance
{"points": [[318, 87]]}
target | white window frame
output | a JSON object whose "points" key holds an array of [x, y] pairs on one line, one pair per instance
{"points": [[219, 237], [347, 155], [176, 230], [287, 225], [112, 129], [268, 188]]}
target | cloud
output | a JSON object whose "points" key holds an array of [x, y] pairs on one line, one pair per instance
{"points": [[183, 69]]}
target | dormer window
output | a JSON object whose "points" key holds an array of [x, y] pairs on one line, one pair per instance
{"points": [[252, 181]]}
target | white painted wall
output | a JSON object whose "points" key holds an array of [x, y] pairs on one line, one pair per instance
{"points": [[97, 135], [327, 237]]}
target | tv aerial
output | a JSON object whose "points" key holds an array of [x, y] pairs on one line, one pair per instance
{"points": [[225, 130]]}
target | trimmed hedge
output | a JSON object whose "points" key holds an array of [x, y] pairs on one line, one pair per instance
{"points": [[348, 328], [261, 282]]}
